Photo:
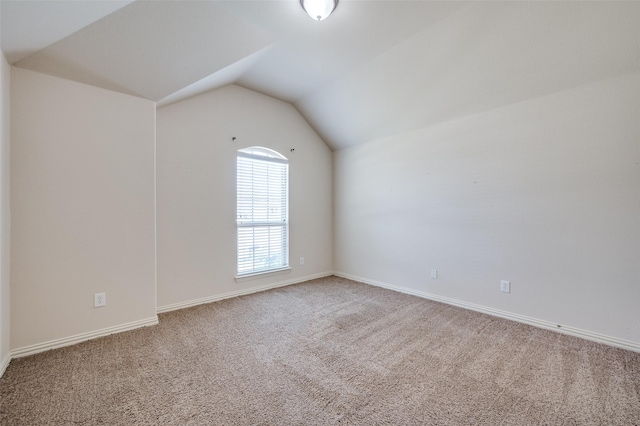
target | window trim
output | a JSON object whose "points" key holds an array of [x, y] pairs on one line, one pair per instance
{"points": [[263, 274], [264, 155]]}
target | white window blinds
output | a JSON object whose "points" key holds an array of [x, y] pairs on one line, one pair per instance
{"points": [[262, 211]]}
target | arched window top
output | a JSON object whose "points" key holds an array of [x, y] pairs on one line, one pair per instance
{"points": [[261, 152]]}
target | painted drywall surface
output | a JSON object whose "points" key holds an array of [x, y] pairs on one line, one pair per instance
{"points": [[488, 55], [544, 193], [5, 212], [196, 198], [82, 203]]}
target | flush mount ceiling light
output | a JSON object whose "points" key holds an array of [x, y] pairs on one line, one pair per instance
{"points": [[319, 9]]}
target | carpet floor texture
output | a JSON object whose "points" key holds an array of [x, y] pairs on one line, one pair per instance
{"points": [[328, 351]]}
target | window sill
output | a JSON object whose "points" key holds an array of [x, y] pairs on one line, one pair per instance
{"points": [[257, 275]]}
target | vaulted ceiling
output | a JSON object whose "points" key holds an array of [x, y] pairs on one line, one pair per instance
{"points": [[371, 70]]}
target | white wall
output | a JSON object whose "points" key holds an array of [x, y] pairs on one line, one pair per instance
{"points": [[82, 204], [5, 212], [196, 199], [487, 55], [544, 193]]}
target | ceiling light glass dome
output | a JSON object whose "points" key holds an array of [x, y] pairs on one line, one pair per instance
{"points": [[319, 9]]}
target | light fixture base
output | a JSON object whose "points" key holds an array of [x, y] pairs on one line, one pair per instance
{"points": [[319, 10]]}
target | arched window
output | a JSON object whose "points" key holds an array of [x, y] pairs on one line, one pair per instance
{"points": [[262, 211]]}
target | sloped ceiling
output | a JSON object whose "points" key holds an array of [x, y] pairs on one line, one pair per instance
{"points": [[29, 26], [371, 70]]}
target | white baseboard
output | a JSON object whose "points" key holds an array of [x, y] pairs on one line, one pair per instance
{"points": [[231, 294], [71, 340], [572, 331], [4, 364]]}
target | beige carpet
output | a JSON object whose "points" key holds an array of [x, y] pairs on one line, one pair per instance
{"points": [[330, 351]]}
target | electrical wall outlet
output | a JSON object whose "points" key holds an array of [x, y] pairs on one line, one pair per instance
{"points": [[434, 274], [99, 300], [302, 260], [505, 286]]}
